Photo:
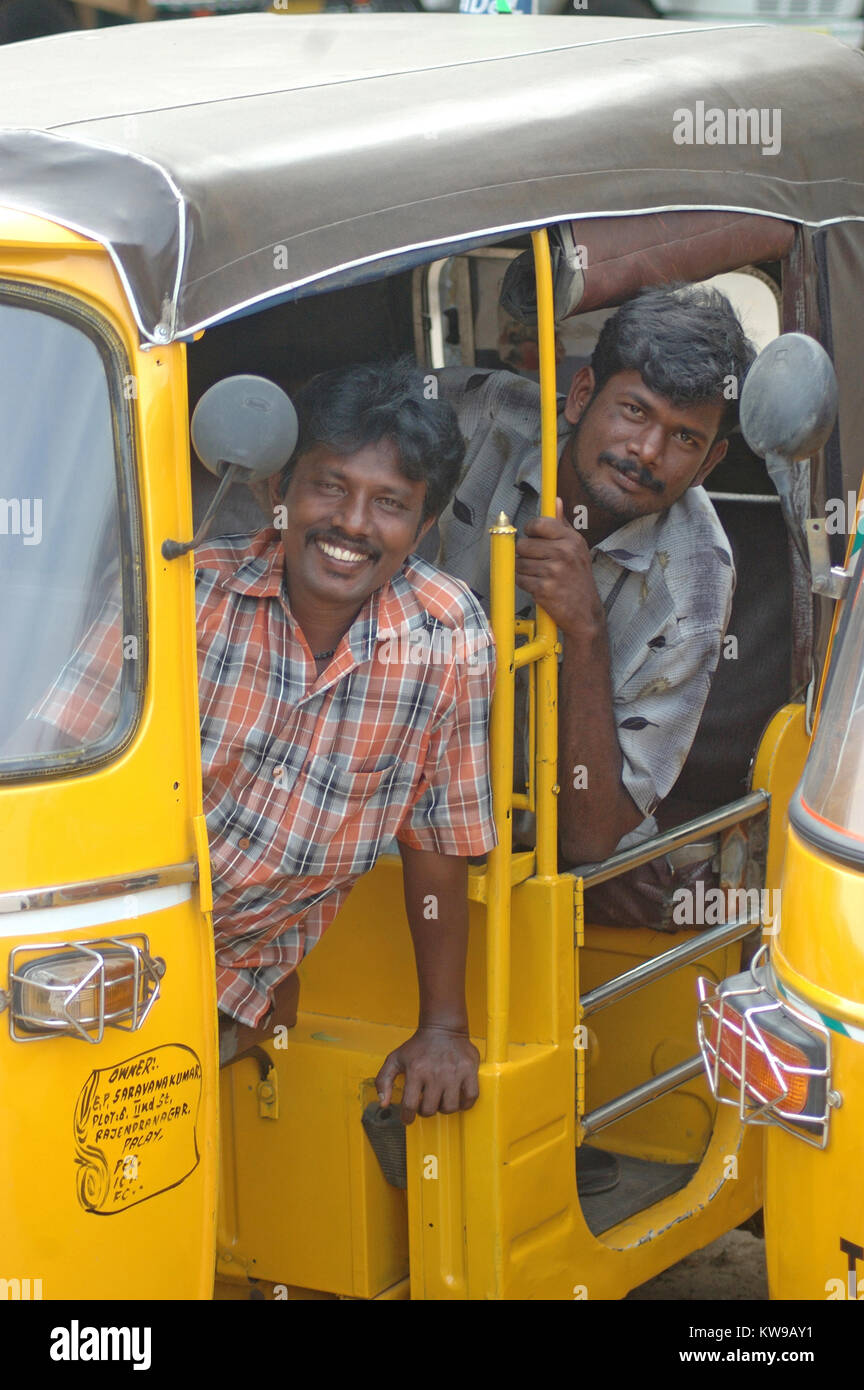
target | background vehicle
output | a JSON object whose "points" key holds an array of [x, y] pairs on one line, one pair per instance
{"points": [[782, 1041], [368, 236]]}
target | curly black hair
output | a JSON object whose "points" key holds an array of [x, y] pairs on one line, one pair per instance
{"points": [[685, 341], [351, 407]]}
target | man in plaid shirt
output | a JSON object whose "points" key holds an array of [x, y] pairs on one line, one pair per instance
{"points": [[344, 695]]}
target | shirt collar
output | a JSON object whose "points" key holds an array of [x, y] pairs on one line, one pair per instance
{"points": [[634, 545], [261, 574], [529, 472]]}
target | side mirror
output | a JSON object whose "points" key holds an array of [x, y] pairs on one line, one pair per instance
{"points": [[788, 409], [243, 428], [789, 399]]}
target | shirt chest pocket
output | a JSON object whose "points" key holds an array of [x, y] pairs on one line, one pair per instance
{"points": [[340, 814]]}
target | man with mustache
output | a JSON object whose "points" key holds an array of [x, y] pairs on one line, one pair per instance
{"points": [[635, 568]]}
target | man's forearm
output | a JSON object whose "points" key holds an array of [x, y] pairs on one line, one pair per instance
{"points": [[594, 808], [439, 1061], [436, 888]]}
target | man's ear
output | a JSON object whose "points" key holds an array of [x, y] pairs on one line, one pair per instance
{"points": [[713, 457], [274, 491], [424, 527], [580, 393]]}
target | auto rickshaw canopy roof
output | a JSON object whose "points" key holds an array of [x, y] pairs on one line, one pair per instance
{"points": [[229, 163]]}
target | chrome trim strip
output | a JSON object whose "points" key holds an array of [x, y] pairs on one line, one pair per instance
{"points": [[617, 864], [102, 912], [760, 498], [91, 890], [640, 1095]]}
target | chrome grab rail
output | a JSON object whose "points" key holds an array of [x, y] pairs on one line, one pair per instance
{"points": [[712, 821], [655, 969], [648, 971], [625, 1104]]}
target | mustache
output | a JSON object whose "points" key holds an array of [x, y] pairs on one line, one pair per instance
{"points": [[332, 537], [643, 476]]}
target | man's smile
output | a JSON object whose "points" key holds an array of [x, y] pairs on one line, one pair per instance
{"points": [[350, 557], [342, 554]]}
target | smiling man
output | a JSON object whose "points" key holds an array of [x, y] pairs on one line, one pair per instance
{"points": [[635, 569], [341, 706], [318, 747]]}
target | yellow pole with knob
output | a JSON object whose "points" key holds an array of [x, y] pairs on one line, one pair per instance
{"points": [[546, 770]]}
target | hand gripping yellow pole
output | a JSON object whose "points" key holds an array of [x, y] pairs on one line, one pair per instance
{"points": [[546, 772]]}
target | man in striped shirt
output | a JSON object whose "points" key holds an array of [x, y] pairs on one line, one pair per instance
{"points": [[635, 569]]}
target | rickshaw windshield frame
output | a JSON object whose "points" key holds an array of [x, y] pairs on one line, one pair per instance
{"points": [[825, 834], [95, 752]]}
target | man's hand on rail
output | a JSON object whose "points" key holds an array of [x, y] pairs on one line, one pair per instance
{"points": [[440, 1070]]}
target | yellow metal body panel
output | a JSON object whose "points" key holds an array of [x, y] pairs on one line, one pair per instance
{"points": [[815, 1198], [821, 935], [777, 769], [495, 1213], [304, 1201], [134, 815]]}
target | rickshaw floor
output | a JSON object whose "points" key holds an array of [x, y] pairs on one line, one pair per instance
{"points": [[642, 1183]]}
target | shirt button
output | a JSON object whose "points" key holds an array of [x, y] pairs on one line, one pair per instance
{"points": [[278, 772], [244, 843]]}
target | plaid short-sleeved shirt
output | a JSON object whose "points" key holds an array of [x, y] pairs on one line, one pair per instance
{"points": [[665, 580], [307, 778]]}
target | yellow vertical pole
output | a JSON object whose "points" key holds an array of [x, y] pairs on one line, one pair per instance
{"points": [[502, 601], [546, 774]]}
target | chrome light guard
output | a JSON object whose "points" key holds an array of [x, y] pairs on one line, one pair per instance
{"points": [[147, 972], [711, 1006]]}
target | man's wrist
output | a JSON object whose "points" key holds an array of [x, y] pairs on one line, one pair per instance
{"points": [[586, 638], [453, 1024]]}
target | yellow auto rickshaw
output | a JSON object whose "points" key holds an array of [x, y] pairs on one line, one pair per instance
{"points": [[268, 195]]}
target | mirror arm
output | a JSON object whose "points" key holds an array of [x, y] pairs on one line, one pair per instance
{"points": [[234, 473]]}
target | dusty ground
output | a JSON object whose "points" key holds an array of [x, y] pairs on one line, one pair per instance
{"points": [[730, 1269]]}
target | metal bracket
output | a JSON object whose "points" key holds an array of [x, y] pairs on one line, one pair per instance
{"points": [[829, 581], [268, 1090]]}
